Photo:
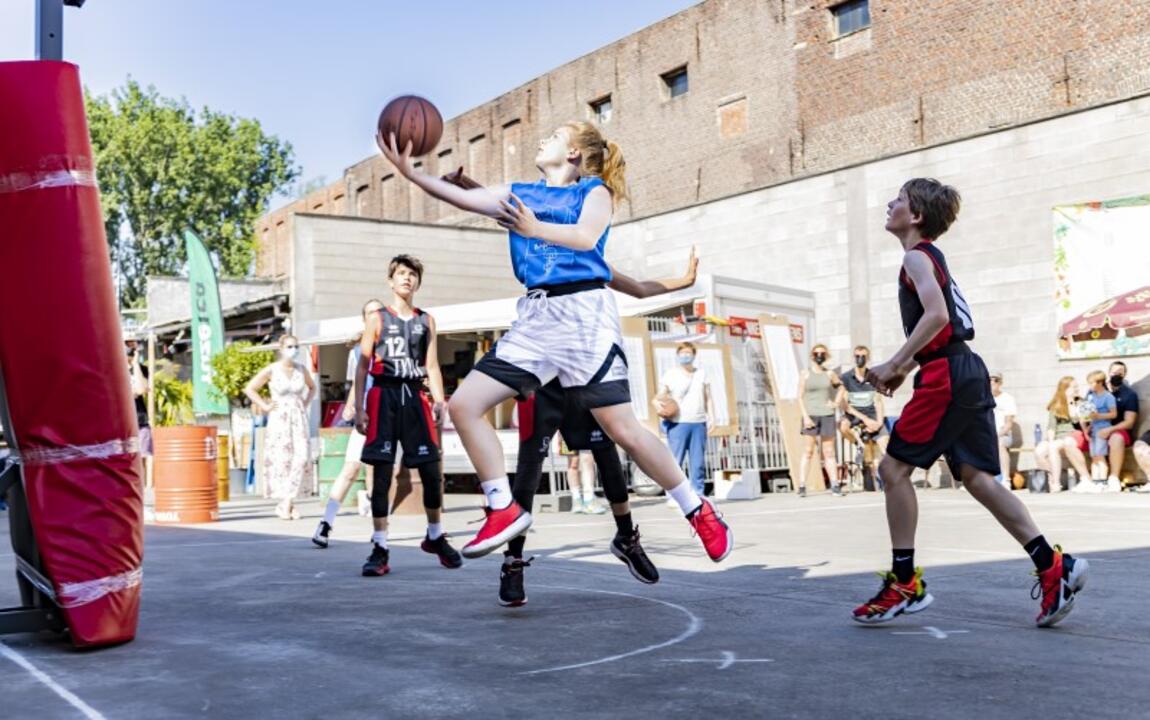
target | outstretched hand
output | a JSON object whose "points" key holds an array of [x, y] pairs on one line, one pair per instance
{"points": [[692, 268], [515, 216], [401, 160]]}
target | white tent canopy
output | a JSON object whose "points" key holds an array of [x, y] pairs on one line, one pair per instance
{"points": [[488, 315]]}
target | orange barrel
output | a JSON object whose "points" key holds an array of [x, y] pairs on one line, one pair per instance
{"points": [[223, 466], [185, 471]]}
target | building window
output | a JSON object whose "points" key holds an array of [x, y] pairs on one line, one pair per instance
{"points": [[851, 16], [676, 82], [601, 110]]}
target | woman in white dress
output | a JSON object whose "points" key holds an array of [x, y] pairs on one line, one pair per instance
{"points": [[287, 452]]}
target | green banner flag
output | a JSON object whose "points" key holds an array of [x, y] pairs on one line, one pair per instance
{"points": [[207, 327]]}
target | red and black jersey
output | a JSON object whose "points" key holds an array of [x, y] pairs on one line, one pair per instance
{"points": [[961, 325], [401, 351]]}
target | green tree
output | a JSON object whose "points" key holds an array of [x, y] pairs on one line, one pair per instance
{"points": [[162, 168], [234, 368]]}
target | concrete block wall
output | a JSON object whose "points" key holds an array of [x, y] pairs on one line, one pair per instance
{"points": [[825, 234]]}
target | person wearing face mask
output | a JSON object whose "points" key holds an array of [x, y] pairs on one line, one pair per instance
{"points": [[287, 452], [690, 389], [862, 407], [1120, 434], [818, 390]]}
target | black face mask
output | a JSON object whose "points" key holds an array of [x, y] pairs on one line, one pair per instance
{"points": [[1116, 380], [820, 358], [860, 361]]}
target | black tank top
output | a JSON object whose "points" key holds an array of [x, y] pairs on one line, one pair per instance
{"points": [[961, 325], [401, 352]]}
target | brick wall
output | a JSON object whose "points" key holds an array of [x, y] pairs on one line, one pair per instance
{"points": [[774, 96]]}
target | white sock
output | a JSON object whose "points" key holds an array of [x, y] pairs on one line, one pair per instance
{"points": [[686, 496], [589, 497], [434, 530], [330, 511], [379, 537], [498, 492]]}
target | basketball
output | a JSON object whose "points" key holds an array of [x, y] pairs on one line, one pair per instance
{"points": [[413, 119]]}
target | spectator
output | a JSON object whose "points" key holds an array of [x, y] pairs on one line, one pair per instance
{"points": [[1005, 412], [1100, 410], [581, 481], [287, 452], [1120, 434], [690, 388], [818, 389], [862, 407], [1061, 435], [140, 381]]}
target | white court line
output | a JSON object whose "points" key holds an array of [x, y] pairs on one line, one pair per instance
{"points": [[88, 711], [693, 627]]}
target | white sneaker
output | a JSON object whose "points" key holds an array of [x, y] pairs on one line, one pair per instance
{"points": [[1113, 484]]}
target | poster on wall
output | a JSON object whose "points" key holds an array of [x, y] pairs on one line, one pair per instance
{"points": [[1102, 281]]}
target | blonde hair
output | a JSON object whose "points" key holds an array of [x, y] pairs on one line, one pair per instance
{"points": [[285, 338], [1096, 376], [1059, 404], [601, 158]]}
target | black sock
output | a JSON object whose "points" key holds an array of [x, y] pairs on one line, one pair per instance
{"points": [[1040, 552], [902, 564], [515, 547], [623, 525]]}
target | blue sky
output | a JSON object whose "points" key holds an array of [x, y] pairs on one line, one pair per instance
{"points": [[317, 72]]}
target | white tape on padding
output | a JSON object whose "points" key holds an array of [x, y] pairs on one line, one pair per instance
{"points": [[75, 594], [72, 453], [21, 182]]}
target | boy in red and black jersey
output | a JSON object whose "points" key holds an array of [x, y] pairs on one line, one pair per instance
{"points": [[951, 414], [398, 350]]}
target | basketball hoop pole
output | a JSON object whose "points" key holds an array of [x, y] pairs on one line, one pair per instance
{"points": [[50, 27]]}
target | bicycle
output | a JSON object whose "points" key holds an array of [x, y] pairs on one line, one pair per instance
{"points": [[858, 472]]}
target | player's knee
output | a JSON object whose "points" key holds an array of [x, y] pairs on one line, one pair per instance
{"points": [[1117, 442], [892, 471], [460, 410]]}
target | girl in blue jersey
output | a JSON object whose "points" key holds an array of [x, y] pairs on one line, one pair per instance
{"points": [[567, 324]]}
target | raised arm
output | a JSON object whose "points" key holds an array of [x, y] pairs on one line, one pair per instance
{"points": [[649, 288], [479, 200]]}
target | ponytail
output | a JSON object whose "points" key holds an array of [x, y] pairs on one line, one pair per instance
{"points": [[614, 172]]}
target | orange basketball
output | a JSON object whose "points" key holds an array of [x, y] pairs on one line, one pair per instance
{"points": [[413, 119]]}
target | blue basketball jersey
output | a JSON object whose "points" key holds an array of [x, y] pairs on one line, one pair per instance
{"points": [[536, 262]]}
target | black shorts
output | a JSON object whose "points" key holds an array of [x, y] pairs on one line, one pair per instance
{"points": [[597, 393], [551, 408], [951, 413], [400, 413]]}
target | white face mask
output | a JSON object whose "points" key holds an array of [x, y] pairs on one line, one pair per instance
{"points": [[289, 353]]}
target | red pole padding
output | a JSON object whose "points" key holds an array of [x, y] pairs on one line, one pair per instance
{"points": [[62, 356]]}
